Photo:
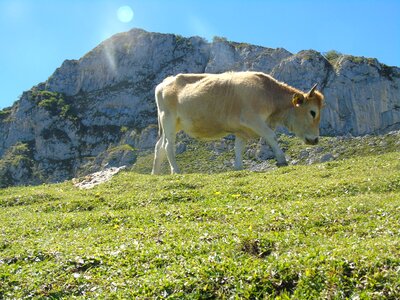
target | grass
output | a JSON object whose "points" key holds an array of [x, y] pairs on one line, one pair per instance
{"points": [[326, 230]]}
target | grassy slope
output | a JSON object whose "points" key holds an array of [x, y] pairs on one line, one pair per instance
{"points": [[326, 230]]}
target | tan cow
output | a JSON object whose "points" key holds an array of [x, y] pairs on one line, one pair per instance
{"points": [[246, 104]]}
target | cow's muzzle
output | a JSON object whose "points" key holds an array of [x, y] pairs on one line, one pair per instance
{"points": [[312, 141]]}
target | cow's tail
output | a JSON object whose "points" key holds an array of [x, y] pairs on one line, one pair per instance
{"points": [[159, 125], [157, 95]]}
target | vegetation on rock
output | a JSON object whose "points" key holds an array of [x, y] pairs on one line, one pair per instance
{"points": [[5, 113], [55, 103], [333, 56], [16, 165]]}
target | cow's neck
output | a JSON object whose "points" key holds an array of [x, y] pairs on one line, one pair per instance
{"points": [[285, 115], [288, 119]]}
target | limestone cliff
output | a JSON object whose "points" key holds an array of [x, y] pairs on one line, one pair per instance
{"points": [[98, 111]]}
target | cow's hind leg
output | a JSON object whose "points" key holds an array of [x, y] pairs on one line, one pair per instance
{"points": [[169, 128], [159, 155], [170, 148]]}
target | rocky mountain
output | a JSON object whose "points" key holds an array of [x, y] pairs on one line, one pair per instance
{"points": [[99, 111]]}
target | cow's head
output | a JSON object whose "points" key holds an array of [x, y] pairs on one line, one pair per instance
{"points": [[307, 109]]}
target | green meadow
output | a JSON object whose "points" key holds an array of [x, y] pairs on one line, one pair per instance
{"points": [[326, 230]]}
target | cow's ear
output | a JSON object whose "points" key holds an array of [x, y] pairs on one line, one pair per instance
{"points": [[298, 99]]}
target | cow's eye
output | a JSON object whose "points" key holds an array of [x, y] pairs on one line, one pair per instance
{"points": [[313, 114]]}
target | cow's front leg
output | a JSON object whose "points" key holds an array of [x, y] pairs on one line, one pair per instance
{"points": [[279, 154], [239, 146], [263, 130], [271, 139]]}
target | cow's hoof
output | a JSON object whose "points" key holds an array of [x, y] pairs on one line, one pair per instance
{"points": [[282, 164]]}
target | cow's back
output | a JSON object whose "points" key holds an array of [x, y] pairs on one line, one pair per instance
{"points": [[211, 106]]}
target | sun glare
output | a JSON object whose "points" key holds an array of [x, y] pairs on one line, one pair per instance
{"points": [[125, 14]]}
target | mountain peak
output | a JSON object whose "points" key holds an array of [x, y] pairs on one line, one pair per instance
{"points": [[84, 115]]}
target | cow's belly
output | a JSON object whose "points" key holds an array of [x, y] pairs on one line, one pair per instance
{"points": [[203, 130], [212, 130], [208, 119]]}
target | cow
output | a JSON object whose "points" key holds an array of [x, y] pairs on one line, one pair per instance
{"points": [[246, 104]]}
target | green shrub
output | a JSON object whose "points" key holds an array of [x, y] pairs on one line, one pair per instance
{"points": [[332, 56], [55, 103], [124, 147], [5, 113], [356, 59], [219, 39], [123, 129]]}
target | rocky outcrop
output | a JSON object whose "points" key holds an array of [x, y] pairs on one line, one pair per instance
{"points": [[98, 111]]}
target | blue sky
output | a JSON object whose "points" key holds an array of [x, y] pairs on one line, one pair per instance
{"points": [[38, 35]]}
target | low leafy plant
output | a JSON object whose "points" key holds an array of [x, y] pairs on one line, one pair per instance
{"points": [[321, 231]]}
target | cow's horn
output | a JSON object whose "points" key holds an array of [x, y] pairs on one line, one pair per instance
{"points": [[313, 89]]}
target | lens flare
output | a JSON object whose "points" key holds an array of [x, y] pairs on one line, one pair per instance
{"points": [[125, 14]]}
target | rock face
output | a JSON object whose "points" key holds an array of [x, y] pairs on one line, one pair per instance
{"points": [[98, 111]]}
